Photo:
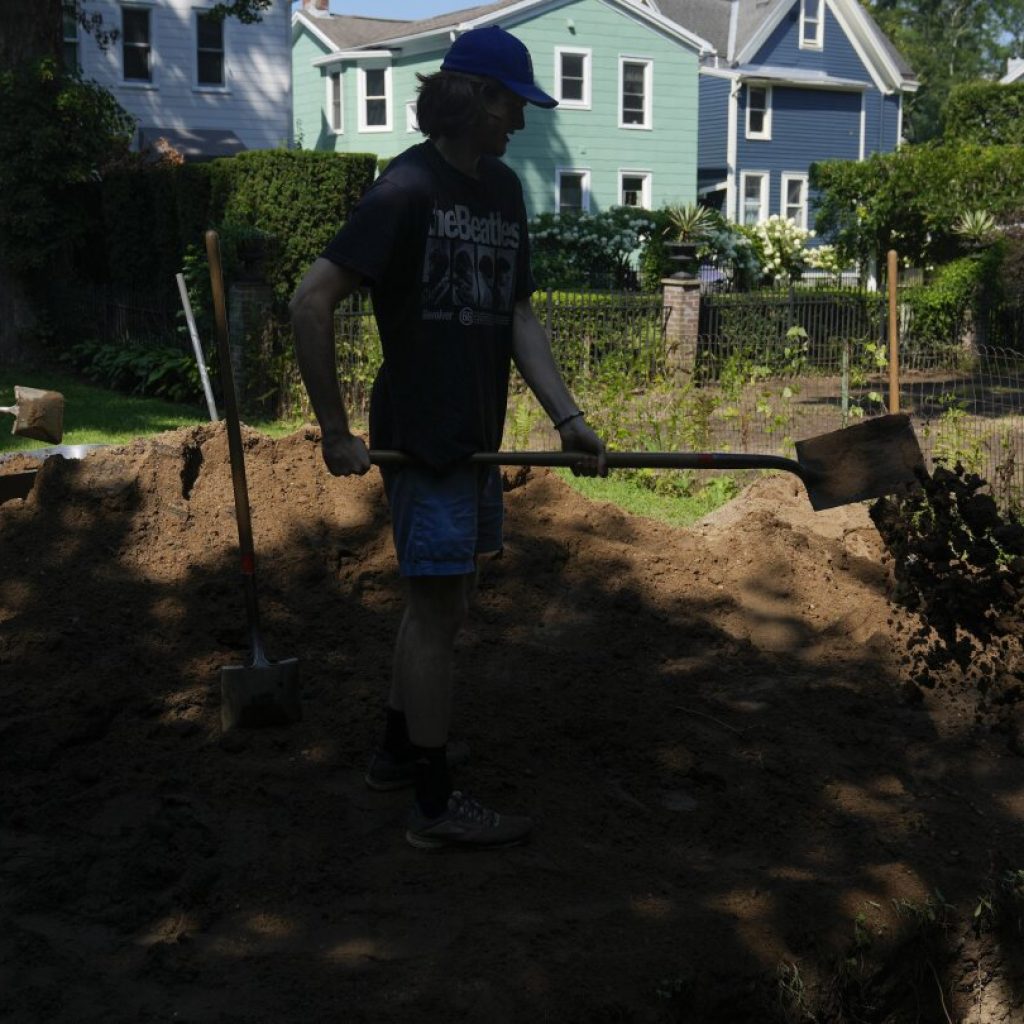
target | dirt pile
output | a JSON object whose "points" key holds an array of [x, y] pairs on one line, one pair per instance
{"points": [[959, 563], [738, 816]]}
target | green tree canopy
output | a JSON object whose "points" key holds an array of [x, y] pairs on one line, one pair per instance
{"points": [[948, 42]]}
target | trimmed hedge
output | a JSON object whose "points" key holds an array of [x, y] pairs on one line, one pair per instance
{"points": [[149, 216]]}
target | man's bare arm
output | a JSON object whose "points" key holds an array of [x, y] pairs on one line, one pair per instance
{"points": [[312, 307], [531, 350]]}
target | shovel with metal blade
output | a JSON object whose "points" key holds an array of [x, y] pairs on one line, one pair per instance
{"points": [[37, 414], [870, 460], [260, 692]]}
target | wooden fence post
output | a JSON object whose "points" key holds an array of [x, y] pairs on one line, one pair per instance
{"points": [[894, 337]]}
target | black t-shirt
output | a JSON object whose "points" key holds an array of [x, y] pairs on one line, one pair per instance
{"points": [[447, 257]]}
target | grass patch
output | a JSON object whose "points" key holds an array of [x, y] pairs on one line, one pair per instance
{"points": [[95, 415], [638, 499]]}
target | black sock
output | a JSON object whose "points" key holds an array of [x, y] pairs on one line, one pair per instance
{"points": [[433, 783], [396, 736]]}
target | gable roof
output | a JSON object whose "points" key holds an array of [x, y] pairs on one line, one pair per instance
{"points": [[738, 27], [353, 32]]}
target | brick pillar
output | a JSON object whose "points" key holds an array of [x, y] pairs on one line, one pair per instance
{"points": [[681, 301], [249, 304]]}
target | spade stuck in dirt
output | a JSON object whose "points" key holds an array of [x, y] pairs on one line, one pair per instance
{"points": [[38, 414], [260, 692]]}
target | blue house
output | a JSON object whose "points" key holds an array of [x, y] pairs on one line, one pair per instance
{"points": [[792, 82]]}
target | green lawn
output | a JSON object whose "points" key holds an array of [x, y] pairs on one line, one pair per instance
{"points": [[94, 415]]}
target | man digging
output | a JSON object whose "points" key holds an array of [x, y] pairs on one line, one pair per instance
{"points": [[441, 239]]}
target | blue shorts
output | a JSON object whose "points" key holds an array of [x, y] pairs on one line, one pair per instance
{"points": [[441, 523]]}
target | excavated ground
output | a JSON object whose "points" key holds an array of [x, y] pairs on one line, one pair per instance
{"points": [[745, 809]]}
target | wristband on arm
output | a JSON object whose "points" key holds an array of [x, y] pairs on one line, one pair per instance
{"points": [[568, 419]]}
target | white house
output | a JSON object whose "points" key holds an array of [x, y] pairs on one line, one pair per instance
{"points": [[1014, 71], [210, 87]]}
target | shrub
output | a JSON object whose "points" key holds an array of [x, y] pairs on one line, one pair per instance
{"points": [[573, 249], [298, 196], [58, 132], [910, 200], [985, 113], [940, 307], [780, 247]]}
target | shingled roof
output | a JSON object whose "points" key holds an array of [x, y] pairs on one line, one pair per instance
{"points": [[353, 32], [717, 20]]}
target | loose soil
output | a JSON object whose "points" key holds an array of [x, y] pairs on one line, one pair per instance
{"points": [[745, 809]]}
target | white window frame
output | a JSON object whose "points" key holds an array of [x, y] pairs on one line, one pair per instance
{"points": [[363, 126], [766, 131], [329, 80], [763, 205], [584, 173], [645, 189], [208, 86], [140, 83], [71, 40], [817, 41], [411, 124], [787, 177], [648, 122], [575, 51]]}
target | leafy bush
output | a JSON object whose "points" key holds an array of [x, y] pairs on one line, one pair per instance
{"points": [[298, 196], [940, 307], [780, 247], [58, 133], [154, 371], [573, 249], [910, 200], [986, 113]]}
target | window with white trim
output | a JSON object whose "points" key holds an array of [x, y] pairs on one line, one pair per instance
{"points": [[572, 190], [335, 103], [812, 24], [375, 99], [209, 50], [759, 111], [635, 93], [411, 122], [753, 197], [136, 44], [572, 78], [635, 189], [794, 198], [70, 42]]}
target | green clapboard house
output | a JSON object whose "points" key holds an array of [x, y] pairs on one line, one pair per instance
{"points": [[625, 132]]}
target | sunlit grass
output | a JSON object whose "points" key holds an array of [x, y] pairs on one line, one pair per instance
{"points": [[96, 415]]}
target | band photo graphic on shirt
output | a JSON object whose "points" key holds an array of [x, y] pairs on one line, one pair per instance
{"points": [[457, 273]]}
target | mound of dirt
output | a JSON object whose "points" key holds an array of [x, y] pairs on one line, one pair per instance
{"points": [[740, 815]]}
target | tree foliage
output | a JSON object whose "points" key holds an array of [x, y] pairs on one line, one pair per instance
{"points": [[57, 132], [947, 43], [912, 200], [986, 113]]}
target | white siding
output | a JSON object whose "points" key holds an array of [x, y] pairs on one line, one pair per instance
{"points": [[256, 102]]}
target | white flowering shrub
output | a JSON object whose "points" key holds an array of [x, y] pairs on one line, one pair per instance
{"points": [[781, 247], [827, 259], [575, 249]]}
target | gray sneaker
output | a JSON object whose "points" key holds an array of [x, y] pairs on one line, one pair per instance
{"points": [[466, 822], [386, 772]]}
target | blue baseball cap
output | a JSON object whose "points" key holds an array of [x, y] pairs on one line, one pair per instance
{"points": [[495, 53]]}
